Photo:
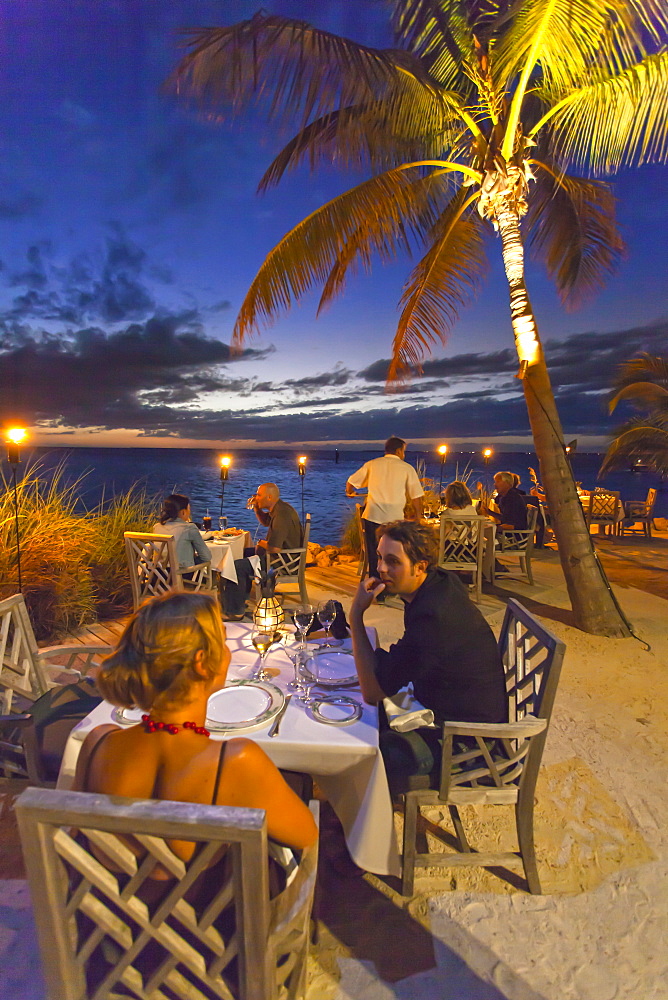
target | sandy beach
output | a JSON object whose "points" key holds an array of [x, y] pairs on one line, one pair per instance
{"points": [[599, 930]]}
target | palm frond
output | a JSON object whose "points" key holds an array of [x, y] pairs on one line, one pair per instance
{"points": [[443, 282], [381, 215], [644, 368], [645, 441], [572, 40], [616, 122], [376, 136], [646, 394], [293, 70], [438, 32], [573, 232]]}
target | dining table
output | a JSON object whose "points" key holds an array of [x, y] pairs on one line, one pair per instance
{"points": [[344, 760], [225, 547], [585, 500]]}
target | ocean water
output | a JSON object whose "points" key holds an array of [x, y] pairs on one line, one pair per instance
{"points": [[196, 473]]}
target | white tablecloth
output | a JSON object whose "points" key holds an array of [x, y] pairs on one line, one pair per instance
{"points": [[345, 761], [225, 551]]}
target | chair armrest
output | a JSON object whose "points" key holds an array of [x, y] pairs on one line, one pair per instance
{"points": [[73, 653], [528, 726], [16, 721], [194, 568], [638, 507], [89, 651]]}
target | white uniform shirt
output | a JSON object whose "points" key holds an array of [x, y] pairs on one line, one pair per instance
{"points": [[390, 482]]}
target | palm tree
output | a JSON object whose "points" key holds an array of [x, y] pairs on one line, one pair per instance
{"points": [[490, 116], [643, 381]]}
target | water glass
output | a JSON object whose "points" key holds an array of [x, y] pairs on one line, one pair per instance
{"points": [[295, 654], [303, 616], [326, 615], [222, 522], [309, 667]]}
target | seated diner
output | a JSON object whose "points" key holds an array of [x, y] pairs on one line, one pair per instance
{"points": [[458, 499], [447, 652], [175, 520], [171, 658]]}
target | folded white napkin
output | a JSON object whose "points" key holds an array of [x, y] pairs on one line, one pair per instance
{"points": [[404, 712], [255, 563]]}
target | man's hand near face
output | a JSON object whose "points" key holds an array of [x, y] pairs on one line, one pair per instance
{"points": [[365, 660]]}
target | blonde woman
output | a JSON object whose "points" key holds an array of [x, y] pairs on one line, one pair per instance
{"points": [[171, 657], [458, 499]]}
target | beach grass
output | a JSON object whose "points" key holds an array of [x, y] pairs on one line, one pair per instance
{"points": [[72, 560]]}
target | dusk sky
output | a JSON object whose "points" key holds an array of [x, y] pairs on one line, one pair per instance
{"points": [[131, 230]]}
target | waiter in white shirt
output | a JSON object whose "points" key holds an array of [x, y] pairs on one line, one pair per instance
{"points": [[391, 483]]}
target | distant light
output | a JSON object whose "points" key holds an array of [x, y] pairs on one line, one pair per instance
{"points": [[15, 435], [568, 449], [487, 453]]}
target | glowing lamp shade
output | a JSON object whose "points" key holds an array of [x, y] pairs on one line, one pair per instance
{"points": [[443, 449], [14, 437], [269, 614], [301, 462], [225, 463]]}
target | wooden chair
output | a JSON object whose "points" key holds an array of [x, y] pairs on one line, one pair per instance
{"points": [[519, 543], [638, 512], [461, 546], [290, 564], [363, 567], [158, 943], [20, 758], [501, 768], [603, 510], [154, 568], [27, 671]]}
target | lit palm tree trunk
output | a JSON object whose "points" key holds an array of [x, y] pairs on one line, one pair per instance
{"points": [[592, 604]]}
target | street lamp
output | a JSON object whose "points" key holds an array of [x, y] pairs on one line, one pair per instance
{"points": [[487, 454], [443, 451], [14, 437], [301, 466]]}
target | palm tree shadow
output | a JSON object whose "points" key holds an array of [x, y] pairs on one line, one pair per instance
{"points": [[549, 611]]}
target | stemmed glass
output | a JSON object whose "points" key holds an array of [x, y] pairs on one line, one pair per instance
{"points": [[309, 667], [263, 641], [326, 615], [303, 616], [295, 654]]}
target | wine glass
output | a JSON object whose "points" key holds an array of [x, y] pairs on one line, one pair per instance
{"points": [[309, 668], [295, 654], [302, 616], [326, 615], [263, 641]]}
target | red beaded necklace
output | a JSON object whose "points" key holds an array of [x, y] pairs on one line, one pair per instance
{"points": [[155, 726]]}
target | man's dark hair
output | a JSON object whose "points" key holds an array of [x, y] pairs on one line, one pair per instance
{"points": [[393, 445], [418, 541]]}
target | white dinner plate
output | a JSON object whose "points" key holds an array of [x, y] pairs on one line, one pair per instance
{"points": [[336, 710], [336, 668], [243, 704], [127, 716]]}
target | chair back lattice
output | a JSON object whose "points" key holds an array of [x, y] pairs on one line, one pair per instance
{"points": [[208, 928], [650, 501], [290, 564], [532, 659], [515, 540], [154, 568], [603, 507], [460, 541], [21, 672]]}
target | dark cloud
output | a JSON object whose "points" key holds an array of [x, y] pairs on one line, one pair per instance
{"points": [[84, 291], [18, 206], [458, 365], [340, 376], [90, 378]]}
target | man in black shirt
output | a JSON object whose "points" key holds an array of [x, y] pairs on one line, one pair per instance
{"points": [[285, 532], [448, 651], [511, 503]]}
